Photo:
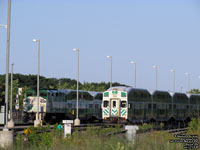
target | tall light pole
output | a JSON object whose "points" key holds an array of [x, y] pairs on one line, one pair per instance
{"points": [[156, 68], [11, 91], [173, 71], [37, 120], [11, 122], [77, 121], [133, 62], [7, 62], [188, 76], [110, 70]]}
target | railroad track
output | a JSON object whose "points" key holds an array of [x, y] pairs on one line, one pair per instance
{"points": [[82, 127], [177, 131]]}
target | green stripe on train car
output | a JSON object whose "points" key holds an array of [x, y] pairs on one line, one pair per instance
{"points": [[106, 94], [114, 92], [123, 94]]}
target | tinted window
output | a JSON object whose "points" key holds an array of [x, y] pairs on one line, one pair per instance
{"points": [[69, 105], [114, 103], [123, 104], [96, 106], [105, 104], [90, 105], [29, 94], [43, 94]]}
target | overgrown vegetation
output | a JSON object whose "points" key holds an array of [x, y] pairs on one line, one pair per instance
{"points": [[96, 138], [150, 127], [157, 140]]}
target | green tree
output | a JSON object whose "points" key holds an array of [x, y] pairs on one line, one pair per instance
{"points": [[194, 91]]}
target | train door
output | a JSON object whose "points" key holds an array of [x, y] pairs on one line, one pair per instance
{"points": [[115, 104]]}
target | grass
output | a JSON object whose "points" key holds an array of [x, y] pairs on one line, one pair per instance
{"points": [[92, 139], [96, 138]]}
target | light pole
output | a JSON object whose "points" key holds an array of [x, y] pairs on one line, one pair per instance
{"points": [[110, 70], [132, 62], [11, 123], [7, 61], [173, 71], [37, 120], [77, 121], [156, 68], [188, 75]]}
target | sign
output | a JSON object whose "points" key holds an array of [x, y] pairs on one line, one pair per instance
{"points": [[59, 127], [68, 121], [27, 131]]}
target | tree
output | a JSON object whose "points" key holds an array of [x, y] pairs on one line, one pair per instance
{"points": [[194, 91]]}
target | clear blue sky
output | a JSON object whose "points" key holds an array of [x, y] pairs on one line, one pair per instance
{"points": [[151, 32]]}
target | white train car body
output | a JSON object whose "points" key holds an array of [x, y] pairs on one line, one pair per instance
{"points": [[115, 103]]}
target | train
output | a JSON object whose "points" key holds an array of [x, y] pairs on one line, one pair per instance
{"points": [[122, 104], [134, 105], [57, 105]]}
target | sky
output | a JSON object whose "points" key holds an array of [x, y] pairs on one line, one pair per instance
{"points": [[165, 33]]}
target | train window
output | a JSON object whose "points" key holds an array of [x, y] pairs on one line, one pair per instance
{"points": [[43, 94], [106, 94], [96, 106], [131, 105], [174, 106], [105, 104], [69, 105], [90, 105], [149, 106], [29, 94], [114, 103], [73, 96], [123, 104], [123, 94]]}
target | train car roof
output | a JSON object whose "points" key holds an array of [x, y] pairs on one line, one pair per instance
{"points": [[67, 91], [177, 93], [152, 92], [52, 91], [190, 95], [126, 88], [93, 93]]}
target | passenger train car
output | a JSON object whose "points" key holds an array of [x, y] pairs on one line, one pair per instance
{"points": [[140, 105], [55, 105]]}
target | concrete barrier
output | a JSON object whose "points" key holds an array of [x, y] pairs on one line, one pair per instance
{"points": [[67, 127], [6, 138], [131, 132], [11, 123], [2, 115]]}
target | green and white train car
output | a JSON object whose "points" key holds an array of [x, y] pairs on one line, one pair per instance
{"points": [[115, 104], [140, 105], [61, 104]]}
